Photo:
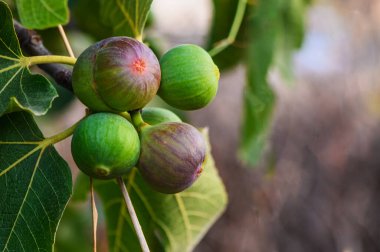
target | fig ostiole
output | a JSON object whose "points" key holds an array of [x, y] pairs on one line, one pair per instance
{"points": [[189, 77], [116, 74], [172, 155], [105, 146], [154, 115]]}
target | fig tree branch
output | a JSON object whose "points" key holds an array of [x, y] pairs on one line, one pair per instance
{"points": [[31, 43]]}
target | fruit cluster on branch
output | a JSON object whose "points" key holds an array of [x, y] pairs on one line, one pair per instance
{"points": [[120, 74]]}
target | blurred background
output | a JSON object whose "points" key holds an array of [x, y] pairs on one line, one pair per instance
{"points": [[294, 127]]}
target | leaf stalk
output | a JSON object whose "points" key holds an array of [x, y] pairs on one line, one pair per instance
{"points": [[224, 43], [132, 213]]}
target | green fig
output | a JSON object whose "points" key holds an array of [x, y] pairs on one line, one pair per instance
{"points": [[189, 77], [171, 156], [105, 146], [154, 115], [116, 74]]}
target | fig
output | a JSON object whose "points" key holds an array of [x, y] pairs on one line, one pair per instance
{"points": [[105, 146], [189, 77], [154, 115], [116, 74], [171, 156]]}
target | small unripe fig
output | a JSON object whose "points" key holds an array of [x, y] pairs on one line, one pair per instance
{"points": [[105, 146], [154, 115], [171, 156], [189, 77], [116, 74]]}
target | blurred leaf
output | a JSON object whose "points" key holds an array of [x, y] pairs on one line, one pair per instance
{"points": [[170, 222], [125, 17], [35, 186], [75, 229], [277, 28], [81, 188], [19, 89], [224, 14], [42, 14], [106, 18], [86, 14], [291, 34]]}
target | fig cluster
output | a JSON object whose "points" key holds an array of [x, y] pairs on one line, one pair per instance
{"points": [[116, 78]]}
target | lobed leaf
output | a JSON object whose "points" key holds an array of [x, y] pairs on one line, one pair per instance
{"points": [[35, 186], [42, 14], [19, 89], [170, 222]]}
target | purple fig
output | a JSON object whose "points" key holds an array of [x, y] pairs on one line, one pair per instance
{"points": [[116, 74], [171, 156]]}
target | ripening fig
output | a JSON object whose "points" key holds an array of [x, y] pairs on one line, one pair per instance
{"points": [[154, 115], [116, 74], [105, 146], [189, 77], [171, 156]]}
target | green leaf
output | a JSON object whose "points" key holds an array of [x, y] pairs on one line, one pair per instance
{"points": [[19, 89], [86, 15], [125, 17], [35, 185], [42, 14], [169, 222], [277, 29], [224, 14]]}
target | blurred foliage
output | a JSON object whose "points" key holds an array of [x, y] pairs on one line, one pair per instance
{"points": [[276, 29], [74, 232], [224, 14], [86, 15], [105, 18], [270, 32]]}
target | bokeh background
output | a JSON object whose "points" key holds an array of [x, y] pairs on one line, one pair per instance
{"points": [[316, 186]]}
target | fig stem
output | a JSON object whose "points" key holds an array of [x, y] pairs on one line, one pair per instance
{"points": [[66, 41], [137, 119], [235, 27], [132, 213], [46, 59], [126, 115], [94, 215]]}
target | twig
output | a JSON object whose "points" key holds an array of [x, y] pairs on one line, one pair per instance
{"points": [[66, 41], [94, 215], [31, 44], [224, 43], [132, 213]]}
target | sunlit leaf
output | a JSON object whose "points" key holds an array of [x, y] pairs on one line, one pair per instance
{"points": [[35, 186], [42, 14], [19, 89]]}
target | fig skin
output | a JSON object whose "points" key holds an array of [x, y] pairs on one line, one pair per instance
{"points": [[189, 77], [116, 74], [105, 146], [171, 156], [154, 115]]}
